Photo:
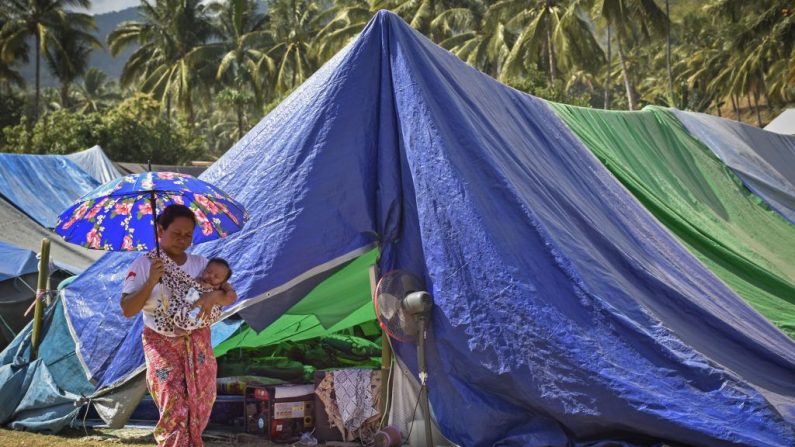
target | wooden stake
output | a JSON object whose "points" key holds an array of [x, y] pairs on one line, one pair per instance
{"points": [[41, 290]]}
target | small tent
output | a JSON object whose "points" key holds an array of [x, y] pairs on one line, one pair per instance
{"points": [[96, 164], [784, 123], [42, 186], [564, 311]]}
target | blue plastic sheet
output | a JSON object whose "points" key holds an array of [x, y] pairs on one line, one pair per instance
{"points": [[15, 261], [564, 311], [765, 161], [42, 186], [96, 164], [40, 395]]}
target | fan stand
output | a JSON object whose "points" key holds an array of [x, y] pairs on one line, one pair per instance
{"points": [[420, 304], [423, 376]]}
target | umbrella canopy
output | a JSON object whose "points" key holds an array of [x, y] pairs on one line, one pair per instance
{"points": [[118, 215]]}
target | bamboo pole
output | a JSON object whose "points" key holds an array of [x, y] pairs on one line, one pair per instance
{"points": [[386, 353], [41, 290]]}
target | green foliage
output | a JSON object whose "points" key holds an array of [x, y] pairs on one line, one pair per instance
{"points": [[536, 84], [132, 131], [11, 106], [59, 132], [214, 68], [136, 131]]}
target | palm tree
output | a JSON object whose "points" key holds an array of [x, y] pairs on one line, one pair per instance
{"points": [[627, 18], [9, 75], [293, 27], [553, 30], [40, 19], [237, 54], [163, 65], [237, 99], [96, 92], [421, 14], [668, 52], [338, 24], [476, 35], [760, 40], [67, 57]]}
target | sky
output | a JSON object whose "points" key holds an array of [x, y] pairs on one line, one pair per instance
{"points": [[103, 6]]}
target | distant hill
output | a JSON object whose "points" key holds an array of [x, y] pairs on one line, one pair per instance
{"points": [[99, 58], [106, 23]]}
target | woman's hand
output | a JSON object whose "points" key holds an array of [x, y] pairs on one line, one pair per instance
{"points": [[156, 269], [224, 296], [207, 301]]}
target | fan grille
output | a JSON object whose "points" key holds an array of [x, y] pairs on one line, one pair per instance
{"points": [[388, 297]]}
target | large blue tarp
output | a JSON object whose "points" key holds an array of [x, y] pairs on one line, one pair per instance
{"points": [[764, 160], [564, 311], [42, 185], [15, 261]]}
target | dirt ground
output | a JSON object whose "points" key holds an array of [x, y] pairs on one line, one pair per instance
{"points": [[121, 437]]}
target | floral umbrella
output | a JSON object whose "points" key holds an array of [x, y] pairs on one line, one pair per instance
{"points": [[119, 216]]}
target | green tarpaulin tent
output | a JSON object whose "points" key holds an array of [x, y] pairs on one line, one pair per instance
{"points": [[340, 302], [700, 200]]}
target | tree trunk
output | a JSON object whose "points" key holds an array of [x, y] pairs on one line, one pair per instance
{"points": [[609, 66], [65, 95], [168, 107], [735, 106], [668, 53], [189, 107], [38, 63], [717, 108], [755, 97], [631, 95], [239, 121], [550, 45], [764, 91]]}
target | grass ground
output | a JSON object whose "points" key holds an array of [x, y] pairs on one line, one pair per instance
{"points": [[126, 437]]}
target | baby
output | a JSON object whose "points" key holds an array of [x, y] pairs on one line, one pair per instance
{"points": [[215, 276]]}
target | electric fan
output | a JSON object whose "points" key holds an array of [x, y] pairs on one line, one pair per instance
{"points": [[403, 308]]}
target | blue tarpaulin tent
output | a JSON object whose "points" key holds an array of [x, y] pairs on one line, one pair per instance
{"points": [[16, 261], [96, 164], [42, 186], [564, 311]]}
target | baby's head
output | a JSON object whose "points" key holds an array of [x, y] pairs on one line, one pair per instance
{"points": [[216, 273]]}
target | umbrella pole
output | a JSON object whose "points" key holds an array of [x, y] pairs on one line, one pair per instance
{"points": [[44, 264], [153, 201]]}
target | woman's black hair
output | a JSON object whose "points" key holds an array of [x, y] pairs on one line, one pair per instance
{"points": [[173, 211], [224, 263]]}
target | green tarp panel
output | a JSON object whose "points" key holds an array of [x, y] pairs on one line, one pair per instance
{"points": [[340, 302], [700, 200]]}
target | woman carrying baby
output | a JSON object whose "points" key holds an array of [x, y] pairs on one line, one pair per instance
{"points": [[180, 365]]}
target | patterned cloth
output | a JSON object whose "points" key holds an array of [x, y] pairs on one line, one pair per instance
{"points": [[176, 312], [354, 396], [180, 373], [326, 392]]}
